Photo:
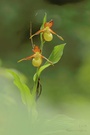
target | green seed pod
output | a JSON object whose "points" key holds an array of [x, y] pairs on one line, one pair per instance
{"points": [[47, 36], [36, 62]]}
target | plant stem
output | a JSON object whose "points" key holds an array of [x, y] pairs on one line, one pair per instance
{"points": [[35, 84]]}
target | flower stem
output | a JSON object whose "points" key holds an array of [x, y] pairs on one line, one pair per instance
{"points": [[35, 84]]}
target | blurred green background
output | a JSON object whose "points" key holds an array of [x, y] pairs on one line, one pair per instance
{"points": [[66, 86]]}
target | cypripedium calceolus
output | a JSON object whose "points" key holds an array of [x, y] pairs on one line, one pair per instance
{"points": [[36, 57], [47, 32]]}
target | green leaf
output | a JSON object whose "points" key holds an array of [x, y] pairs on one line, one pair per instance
{"points": [[26, 95], [44, 20], [41, 38], [54, 58], [62, 125]]}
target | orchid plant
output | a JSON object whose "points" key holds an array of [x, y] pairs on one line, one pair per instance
{"points": [[28, 96]]}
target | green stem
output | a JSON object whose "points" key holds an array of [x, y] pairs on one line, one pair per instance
{"points": [[35, 84], [41, 47]]}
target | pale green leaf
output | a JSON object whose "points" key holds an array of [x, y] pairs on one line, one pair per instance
{"points": [[62, 125], [26, 96]]}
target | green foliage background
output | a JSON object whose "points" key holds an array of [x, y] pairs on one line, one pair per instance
{"points": [[66, 86]]}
